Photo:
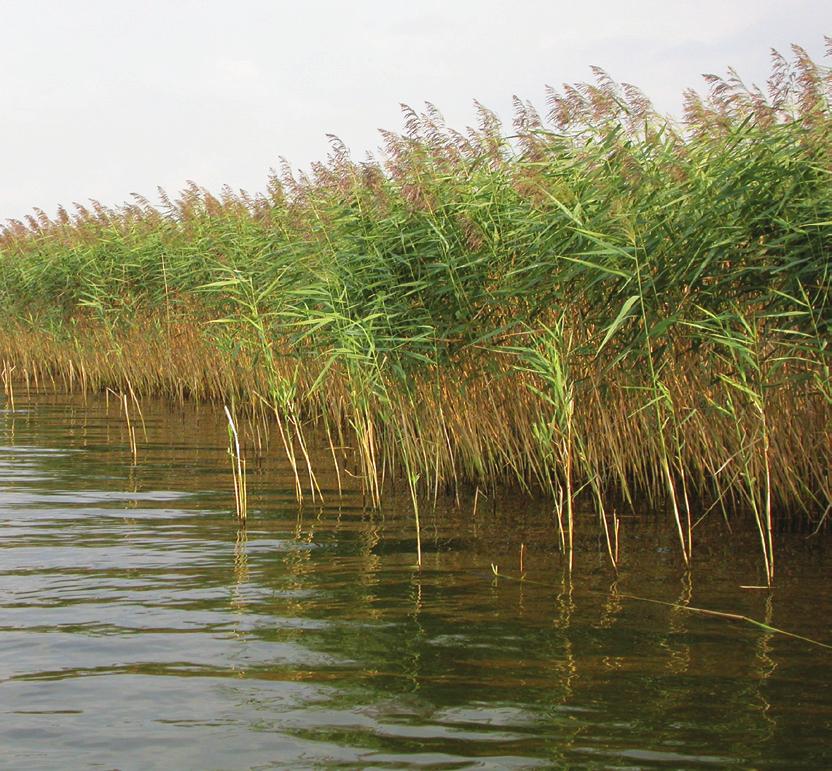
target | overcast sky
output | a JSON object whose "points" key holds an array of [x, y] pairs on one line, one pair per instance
{"points": [[102, 98]]}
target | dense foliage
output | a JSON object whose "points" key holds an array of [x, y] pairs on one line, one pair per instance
{"points": [[604, 301]]}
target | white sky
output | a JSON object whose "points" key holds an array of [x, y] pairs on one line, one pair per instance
{"points": [[102, 98]]}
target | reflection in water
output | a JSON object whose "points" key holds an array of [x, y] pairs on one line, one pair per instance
{"points": [[238, 600], [143, 626], [675, 644], [764, 669]]}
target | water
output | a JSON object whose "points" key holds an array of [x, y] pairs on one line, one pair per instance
{"points": [[142, 628]]}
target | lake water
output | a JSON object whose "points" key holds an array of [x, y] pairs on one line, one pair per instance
{"points": [[141, 627]]}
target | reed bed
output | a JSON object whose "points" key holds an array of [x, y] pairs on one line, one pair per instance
{"points": [[599, 303]]}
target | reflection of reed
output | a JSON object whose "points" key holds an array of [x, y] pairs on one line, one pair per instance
{"points": [[299, 564], [238, 601], [132, 486], [764, 668], [566, 607], [416, 583], [370, 562], [562, 666], [766, 665], [679, 652], [239, 604], [564, 603], [132, 503], [413, 667], [610, 609]]}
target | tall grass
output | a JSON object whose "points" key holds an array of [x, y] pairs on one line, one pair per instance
{"points": [[599, 302]]}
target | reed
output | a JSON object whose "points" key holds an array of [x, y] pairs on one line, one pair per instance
{"points": [[599, 304], [8, 383], [238, 469]]}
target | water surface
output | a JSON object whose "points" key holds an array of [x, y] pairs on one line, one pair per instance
{"points": [[141, 627]]}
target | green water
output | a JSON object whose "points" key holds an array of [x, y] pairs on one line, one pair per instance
{"points": [[142, 628]]}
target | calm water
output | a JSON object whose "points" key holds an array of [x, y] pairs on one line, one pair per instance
{"points": [[142, 628]]}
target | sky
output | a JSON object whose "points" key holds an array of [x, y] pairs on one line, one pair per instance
{"points": [[103, 98]]}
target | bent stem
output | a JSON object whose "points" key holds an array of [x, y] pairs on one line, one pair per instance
{"points": [[238, 468]]}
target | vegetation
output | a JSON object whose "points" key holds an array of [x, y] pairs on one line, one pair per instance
{"points": [[603, 304]]}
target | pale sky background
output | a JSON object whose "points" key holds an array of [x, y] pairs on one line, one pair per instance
{"points": [[101, 98]]}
